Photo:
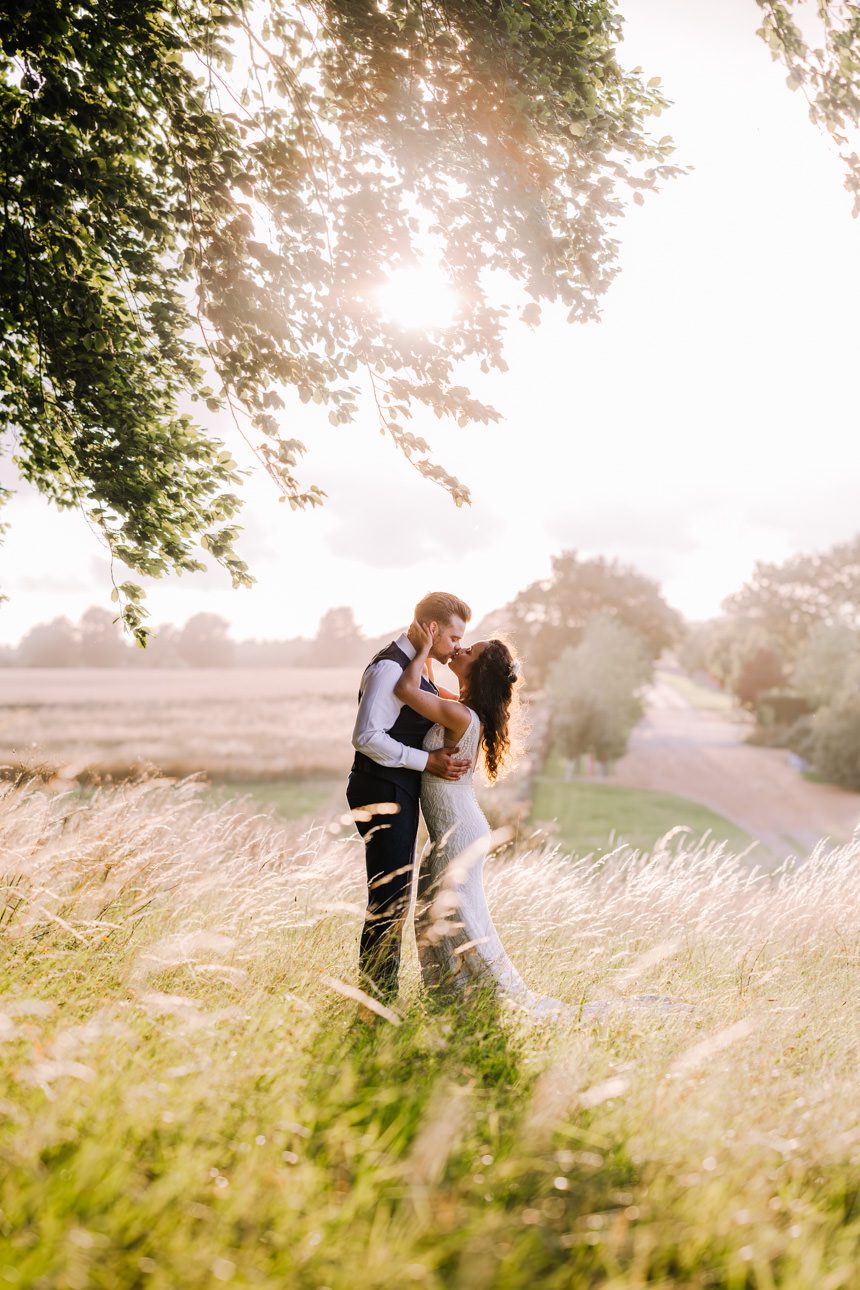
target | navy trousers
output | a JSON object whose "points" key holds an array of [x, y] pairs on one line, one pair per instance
{"points": [[389, 851]]}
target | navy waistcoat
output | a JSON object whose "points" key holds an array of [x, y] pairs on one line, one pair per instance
{"points": [[409, 728]]}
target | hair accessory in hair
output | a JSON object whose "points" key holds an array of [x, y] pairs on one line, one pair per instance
{"points": [[515, 669]]}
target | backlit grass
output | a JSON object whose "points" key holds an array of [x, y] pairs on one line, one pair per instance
{"points": [[188, 1099]]}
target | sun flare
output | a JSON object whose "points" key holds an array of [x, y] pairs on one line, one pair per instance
{"points": [[417, 298]]}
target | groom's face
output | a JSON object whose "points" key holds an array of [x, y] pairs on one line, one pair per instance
{"points": [[448, 639]]}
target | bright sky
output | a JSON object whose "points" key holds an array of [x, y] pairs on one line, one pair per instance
{"points": [[706, 422]]}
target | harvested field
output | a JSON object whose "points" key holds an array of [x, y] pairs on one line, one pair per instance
{"points": [[231, 723]]}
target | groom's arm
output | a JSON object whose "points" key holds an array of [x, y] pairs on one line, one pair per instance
{"points": [[378, 710]]}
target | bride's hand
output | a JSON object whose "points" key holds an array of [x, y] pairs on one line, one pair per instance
{"points": [[424, 637]]}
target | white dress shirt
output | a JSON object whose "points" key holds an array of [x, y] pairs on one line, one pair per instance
{"points": [[378, 709]]}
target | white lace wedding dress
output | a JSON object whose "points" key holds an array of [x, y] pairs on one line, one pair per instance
{"points": [[457, 940]]}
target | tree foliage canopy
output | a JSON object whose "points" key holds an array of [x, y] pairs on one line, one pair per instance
{"points": [[199, 201], [595, 689], [827, 667], [787, 600], [552, 614], [738, 652], [825, 68]]}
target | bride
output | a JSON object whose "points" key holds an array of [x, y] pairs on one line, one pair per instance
{"points": [[458, 944]]}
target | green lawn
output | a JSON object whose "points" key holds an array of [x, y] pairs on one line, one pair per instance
{"points": [[295, 799], [700, 696], [594, 815], [292, 798]]}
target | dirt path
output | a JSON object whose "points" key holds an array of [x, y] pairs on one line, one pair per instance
{"points": [[699, 753]]}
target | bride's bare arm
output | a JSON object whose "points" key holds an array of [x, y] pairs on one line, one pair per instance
{"points": [[443, 693], [447, 694], [450, 713]]}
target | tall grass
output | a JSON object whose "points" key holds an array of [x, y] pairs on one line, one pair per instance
{"points": [[189, 1100]]}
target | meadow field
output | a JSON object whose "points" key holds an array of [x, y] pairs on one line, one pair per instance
{"points": [[188, 1099], [232, 724], [280, 737]]}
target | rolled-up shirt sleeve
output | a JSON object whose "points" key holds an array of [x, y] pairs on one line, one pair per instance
{"points": [[378, 710]]}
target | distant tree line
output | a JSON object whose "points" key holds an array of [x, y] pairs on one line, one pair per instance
{"points": [[97, 641], [787, 646], [589, 634]]}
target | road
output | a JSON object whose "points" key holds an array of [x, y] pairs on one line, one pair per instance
{"points": [[698, 752]]}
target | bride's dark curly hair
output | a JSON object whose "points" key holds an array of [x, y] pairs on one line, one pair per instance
{"points": [[489, 692]]}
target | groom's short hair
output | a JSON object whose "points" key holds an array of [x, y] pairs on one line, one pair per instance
{"points": [[441, 607]]}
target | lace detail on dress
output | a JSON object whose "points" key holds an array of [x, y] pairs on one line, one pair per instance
{"points": [[457, 940]]}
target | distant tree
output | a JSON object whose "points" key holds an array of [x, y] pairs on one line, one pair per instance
{"points": [[737, 653], [760, 670], [551, 615], [724, 643], [828, 664], [584, 724], [172, 211], [295, 652], [162, 649], [595, 690], [785, 601], [827, 674], [53, 644], [693, 648], [204, 642], [714, 647], [373, 644], [101, 643], [339, 642]]}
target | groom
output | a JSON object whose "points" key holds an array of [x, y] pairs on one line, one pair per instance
{"points": [[386, 772]]}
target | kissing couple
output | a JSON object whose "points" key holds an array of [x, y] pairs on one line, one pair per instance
{"points": [[416, 744]]}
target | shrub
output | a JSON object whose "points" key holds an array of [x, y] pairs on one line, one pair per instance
{"points": [[781, 707], [800, 737], [828, 664], [836, 743]]}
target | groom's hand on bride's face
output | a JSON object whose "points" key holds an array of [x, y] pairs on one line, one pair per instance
{"points": [[445, 763]]}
